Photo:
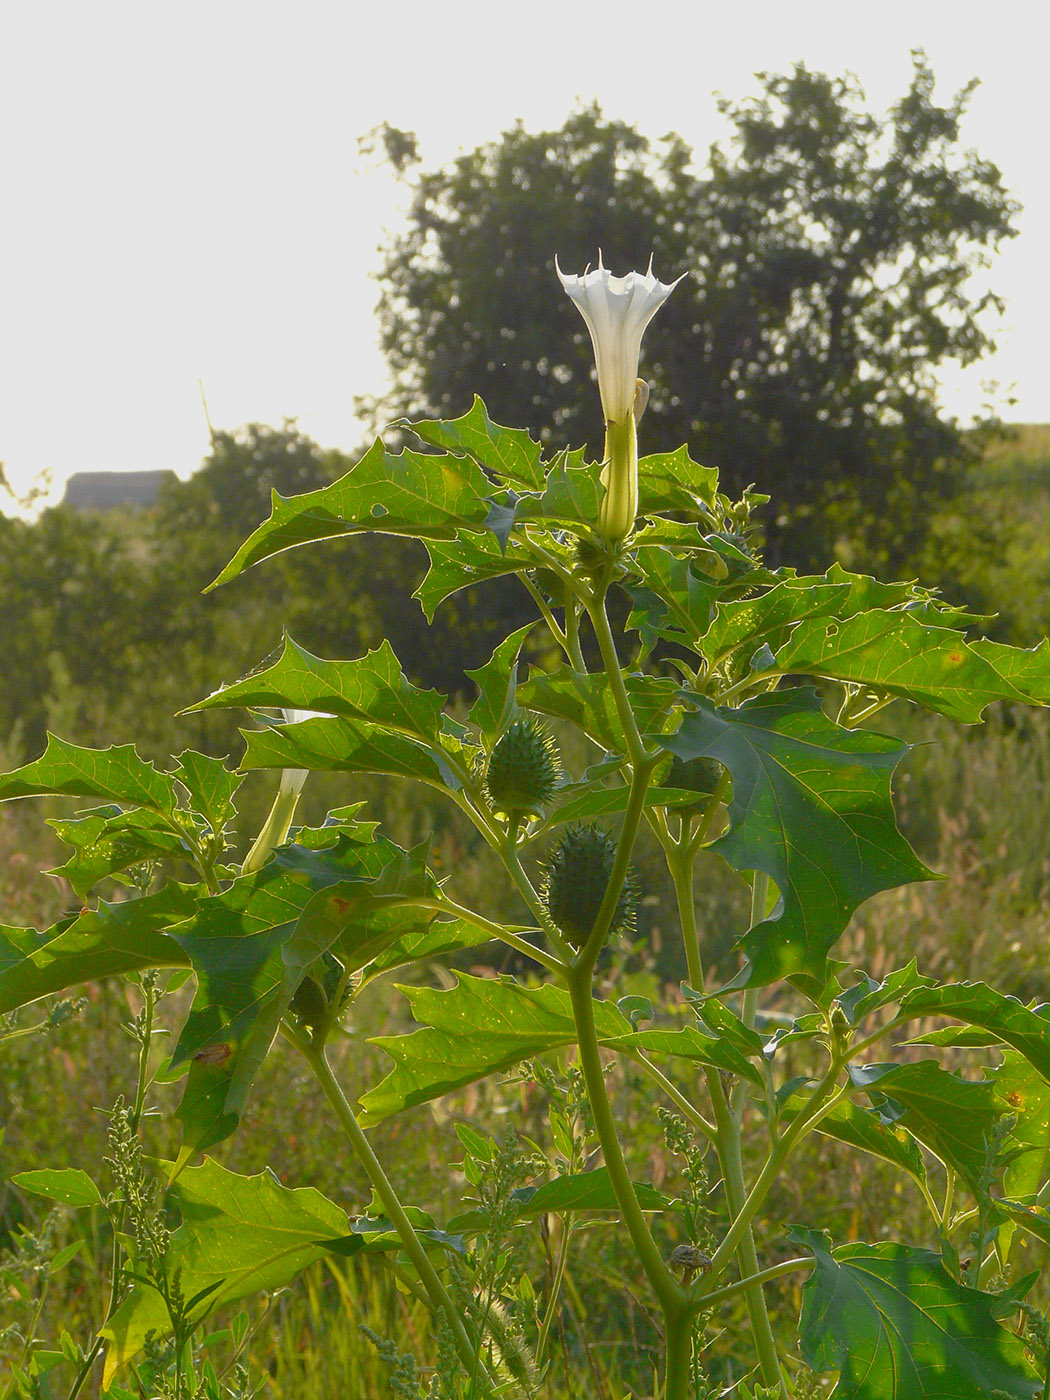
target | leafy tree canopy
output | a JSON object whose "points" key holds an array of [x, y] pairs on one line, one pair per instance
{"points": [[134, 580], [829, 254]]}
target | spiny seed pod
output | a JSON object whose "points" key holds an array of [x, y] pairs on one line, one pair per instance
{"points": [[523, 770], [309, 1003], [575, 881], [313, 998], [591, 558], [699, 775]]}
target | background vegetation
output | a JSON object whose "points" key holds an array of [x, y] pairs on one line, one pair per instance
{"points": [[776, 362]]}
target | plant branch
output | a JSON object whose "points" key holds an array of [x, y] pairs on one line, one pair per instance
{"points": [[632, 819], [703, 827], [439, 1296], [522, 883], [611, 662], [680, 866], [817, 1107], [664, 1285], [572, 631], [498, 931], [749, 1007], [733, 1290], [556, 632], [742, 686], [739, 1239], [676, 1096]]}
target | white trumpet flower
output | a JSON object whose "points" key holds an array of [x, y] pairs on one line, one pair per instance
{"points": [[292, 779], [277, 825], [617, 311]]}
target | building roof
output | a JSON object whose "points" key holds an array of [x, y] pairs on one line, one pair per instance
{"points": [[107, 490]]}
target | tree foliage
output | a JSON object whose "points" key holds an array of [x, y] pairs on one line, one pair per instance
{"points": [[829, 254], [133, 582]]}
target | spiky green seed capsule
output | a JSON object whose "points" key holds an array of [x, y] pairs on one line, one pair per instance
{"points": [[575, 881], [313, 998], [523, 770], [699, 775], [592, 558]]}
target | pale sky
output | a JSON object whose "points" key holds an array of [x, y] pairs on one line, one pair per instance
{"points": [[183, 197]]}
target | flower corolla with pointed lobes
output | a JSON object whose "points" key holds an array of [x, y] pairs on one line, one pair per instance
{"points": [[617, 311]]}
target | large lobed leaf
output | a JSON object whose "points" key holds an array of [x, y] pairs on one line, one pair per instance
{"points": [[896, 1326], [673, 481], [251, 946], [108, 841], [508, 453], [210, 786], [571, 497], [586, 700], [347, 746], [476, 1028], [897, 651], [483, 1025], [472, 559], [766, 620], [589, 1190], [114, 938], [426, 497], [811, 807], [497, 683], [1025, 1096], [372, 688], [116, 774], [1024, 1028], [666, 481], [860, 1128], [954, 1117], [689, 1043], [671, 599], [239, 1234]]}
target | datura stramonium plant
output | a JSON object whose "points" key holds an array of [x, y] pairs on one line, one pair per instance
{"points": [[617, 311]]}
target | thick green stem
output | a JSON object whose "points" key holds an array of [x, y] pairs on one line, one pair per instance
{"points": [[678, 1380], [611, 664], [680, 865], [670, 1294], [727, 1140], [413, 1246]]}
